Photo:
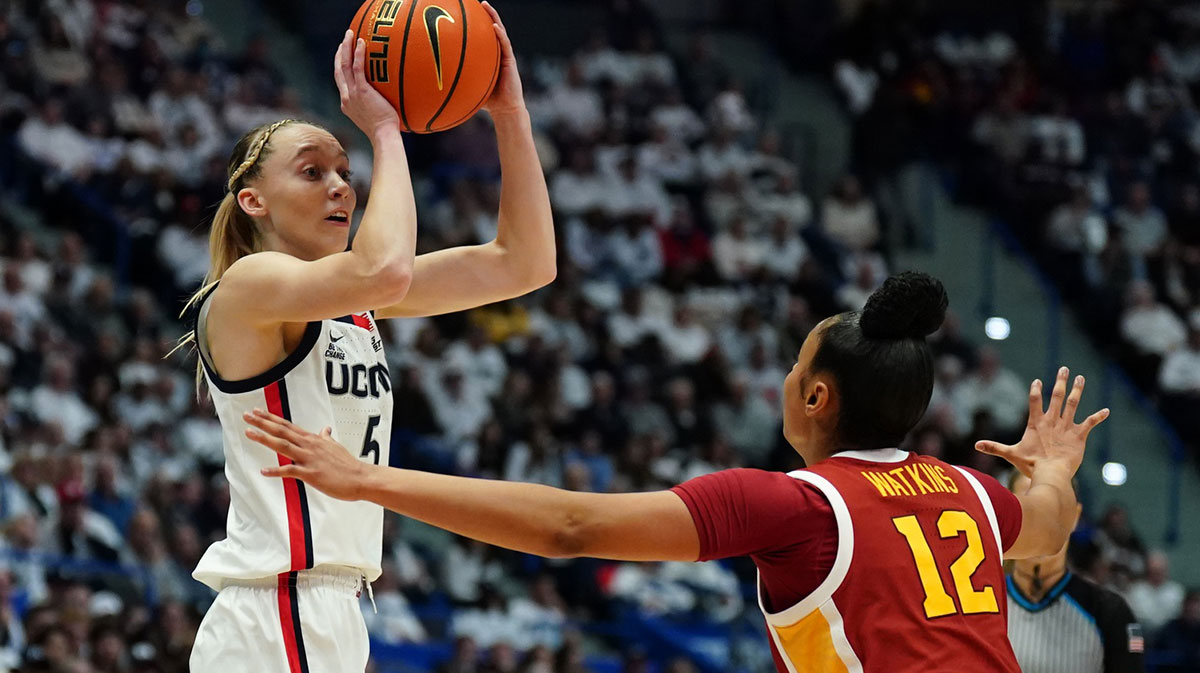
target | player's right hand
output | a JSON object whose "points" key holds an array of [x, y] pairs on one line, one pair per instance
{"points": [[317, 460], [361, 102], [1051, 435]]}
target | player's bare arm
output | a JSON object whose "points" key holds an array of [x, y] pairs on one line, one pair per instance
{"points": [[1049, 453], [530, 518], [271, 287], [522, 256]]}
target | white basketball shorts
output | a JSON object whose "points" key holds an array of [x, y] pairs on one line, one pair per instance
{"points": [[300, 622]]}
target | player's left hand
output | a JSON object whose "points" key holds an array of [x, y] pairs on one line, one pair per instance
{"points": [[1051, 435], [508, 97], [317, 460]]}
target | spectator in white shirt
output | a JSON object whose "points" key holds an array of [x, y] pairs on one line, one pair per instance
{"points": [[481, 361], [737, 255], [1060, 136], [598, 61], [729, 110], [722, 156], [649, 64], [747, 421], [674, 116], [785, 201], [580, 187], [1143, 224], [853, 296], [56, 401], [1180, 374], [57, 61], [175, 106], [575, 105], [1149, 325], [632, 323], [666, 158], [50, 139], [636, 250], [1156, 599], [631, 191], [996, 390], [460, 409], [788, 253], [685, 341], [849, 216]]}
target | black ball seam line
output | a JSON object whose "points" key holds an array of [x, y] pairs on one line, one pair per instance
{"points": [[462, 57], [404, 55], [487, 92]]}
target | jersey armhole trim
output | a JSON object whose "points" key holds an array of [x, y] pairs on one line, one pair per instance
{"points": [[311, 333], [841, 563], [988, 509]]}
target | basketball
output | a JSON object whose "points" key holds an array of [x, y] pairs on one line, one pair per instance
{"points": [[435, 60]]}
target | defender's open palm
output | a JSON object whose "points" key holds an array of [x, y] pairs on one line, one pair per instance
{"points": [[1052, 434], [315, 459]]}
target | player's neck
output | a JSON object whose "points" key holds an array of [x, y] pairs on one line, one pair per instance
{"points": [[1035, 578]]}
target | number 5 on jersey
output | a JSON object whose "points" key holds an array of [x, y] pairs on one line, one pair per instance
{"points": [[370, 446], [938, 603]]}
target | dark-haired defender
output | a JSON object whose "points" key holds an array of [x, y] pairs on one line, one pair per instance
{"points": [[871, 559]]}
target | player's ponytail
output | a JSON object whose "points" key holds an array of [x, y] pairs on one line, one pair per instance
{"points": [[881, 362], [233, 234]]}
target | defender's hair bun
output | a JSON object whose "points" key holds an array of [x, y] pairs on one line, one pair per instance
{"points": [[910, 305]]}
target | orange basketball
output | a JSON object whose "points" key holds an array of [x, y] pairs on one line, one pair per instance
{"points": [[435, 60]]}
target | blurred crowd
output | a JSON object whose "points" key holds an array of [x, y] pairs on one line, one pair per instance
{"points": [[1075, 123], [692, 266]]}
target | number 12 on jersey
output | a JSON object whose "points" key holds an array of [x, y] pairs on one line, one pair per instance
{"points": [[938, 603]]}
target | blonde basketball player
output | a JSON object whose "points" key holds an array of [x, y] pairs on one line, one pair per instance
{"points": [[286, 322]]}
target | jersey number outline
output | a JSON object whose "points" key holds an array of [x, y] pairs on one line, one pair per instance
{"points": [[938, 603], [370, 446]]}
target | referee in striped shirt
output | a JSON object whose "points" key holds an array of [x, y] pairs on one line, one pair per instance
{"points": [[1059, 622]]}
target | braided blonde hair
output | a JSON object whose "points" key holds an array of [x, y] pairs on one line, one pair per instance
{"points": [[234, 234]]}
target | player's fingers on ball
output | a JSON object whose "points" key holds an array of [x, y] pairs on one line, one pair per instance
{"points": [[487, 6], [339, 74], [360, 64]]}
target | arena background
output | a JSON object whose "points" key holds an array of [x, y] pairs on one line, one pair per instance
{"points": [[1039, 157]]}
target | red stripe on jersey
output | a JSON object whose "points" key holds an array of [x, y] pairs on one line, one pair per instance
{"points": [[362, 321], [290, 645], [291, 490]]}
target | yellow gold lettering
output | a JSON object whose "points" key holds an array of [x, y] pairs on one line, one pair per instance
{"points": [[915, 472], [878, 483], [934, 480], [896, 486], [899, 472], [949, 482]]}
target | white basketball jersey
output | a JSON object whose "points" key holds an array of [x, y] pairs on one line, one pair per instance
{"points": [[337, 377]]}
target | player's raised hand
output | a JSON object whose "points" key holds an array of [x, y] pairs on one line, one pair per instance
{"points": [[508, 96], [316, 459], [1051, 434], [361, 103]]}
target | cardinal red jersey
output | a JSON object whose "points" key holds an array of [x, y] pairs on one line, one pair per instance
{"points": [[869, 561]]}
